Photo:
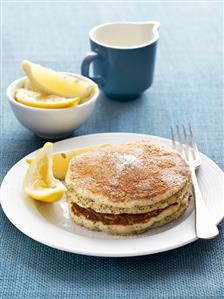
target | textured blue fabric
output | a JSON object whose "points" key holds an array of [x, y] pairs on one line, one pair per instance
{"points": [[187, 88]]}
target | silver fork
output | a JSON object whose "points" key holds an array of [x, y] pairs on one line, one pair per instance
{"points": [[205, 226]]}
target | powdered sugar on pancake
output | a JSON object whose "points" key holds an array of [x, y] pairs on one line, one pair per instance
{"points": [[130, 171], [171, 177], [123, 161]]}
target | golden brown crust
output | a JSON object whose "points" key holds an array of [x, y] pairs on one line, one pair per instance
{"points": [[129, 172]]}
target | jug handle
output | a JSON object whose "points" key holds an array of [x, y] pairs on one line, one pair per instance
{"points": [[91, 56]]}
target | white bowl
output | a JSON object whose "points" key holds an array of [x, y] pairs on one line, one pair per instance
{"points": [[51, 123]]}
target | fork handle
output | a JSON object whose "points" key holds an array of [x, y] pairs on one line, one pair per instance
{"points": [[205, 226]]}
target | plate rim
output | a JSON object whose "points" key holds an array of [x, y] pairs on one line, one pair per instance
{"points": [[43, 241]]}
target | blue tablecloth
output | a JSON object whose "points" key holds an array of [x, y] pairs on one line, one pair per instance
{"points": [[187, 88]]}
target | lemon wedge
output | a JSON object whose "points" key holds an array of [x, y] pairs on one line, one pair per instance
{"points": [[39, 182], [61, 160], [52, 82], [40, 100], [29, 86]]}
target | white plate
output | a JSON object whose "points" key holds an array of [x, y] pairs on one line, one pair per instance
{"points": [[50, 224]]}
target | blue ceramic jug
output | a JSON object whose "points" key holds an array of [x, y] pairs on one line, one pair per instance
{"points": [[123, 57]]}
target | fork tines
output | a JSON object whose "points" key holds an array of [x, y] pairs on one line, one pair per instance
{"points": [[183, 143]]}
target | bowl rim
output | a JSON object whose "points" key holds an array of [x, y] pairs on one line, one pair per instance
{"points": [[12, 100]]}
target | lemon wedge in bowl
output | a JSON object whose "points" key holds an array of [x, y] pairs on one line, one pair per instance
{"points": [[39, 181], [29, 86], [40, 100], [52, 82]]}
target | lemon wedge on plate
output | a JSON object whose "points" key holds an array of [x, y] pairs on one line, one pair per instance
{"points": [[52, 82], [40, 100], [39, 181], [61, 160]]}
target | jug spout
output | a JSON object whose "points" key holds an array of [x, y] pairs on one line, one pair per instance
{"points": [[149, 30], [150, 24]]}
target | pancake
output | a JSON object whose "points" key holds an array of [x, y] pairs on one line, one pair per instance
{"points": [[143, 184], [127, 224], [128, 175], [102, 208]]}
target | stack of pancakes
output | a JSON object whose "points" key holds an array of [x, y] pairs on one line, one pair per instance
{"points": [[129, 188]]}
